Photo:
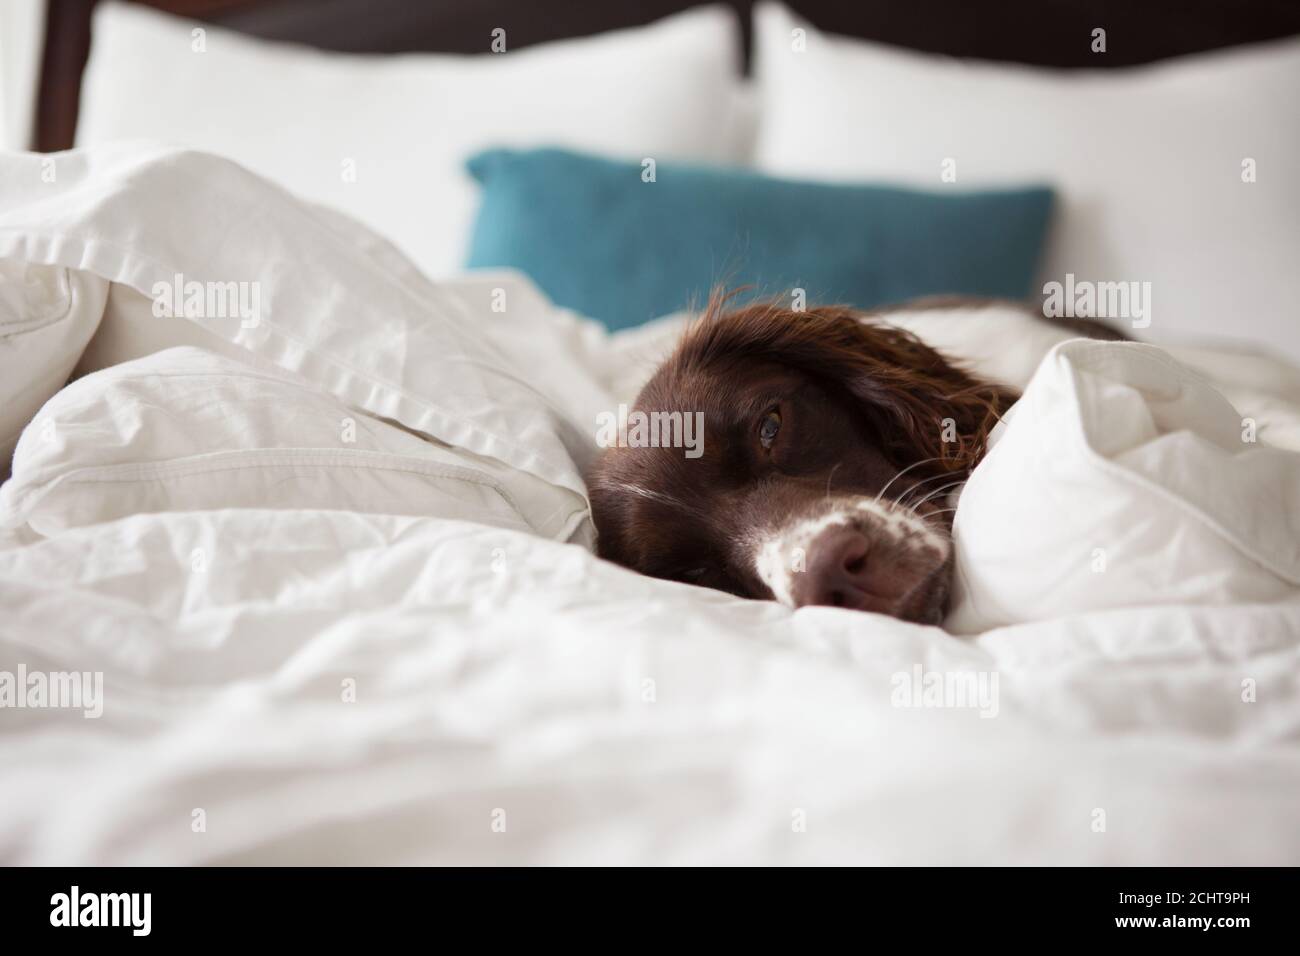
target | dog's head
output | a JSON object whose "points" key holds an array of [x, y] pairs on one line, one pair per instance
{"points": [[830, 444]]}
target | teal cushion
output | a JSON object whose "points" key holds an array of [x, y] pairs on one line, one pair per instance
{"points": [[600, 240]]}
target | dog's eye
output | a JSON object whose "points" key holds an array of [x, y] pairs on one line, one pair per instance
{"points": [[771, 425]]}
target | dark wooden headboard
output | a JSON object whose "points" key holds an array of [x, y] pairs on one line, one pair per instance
{"points": [[1052, 33]]}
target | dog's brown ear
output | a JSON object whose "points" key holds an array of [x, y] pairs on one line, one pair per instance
{"points": [[934, 409], [923, 406]]}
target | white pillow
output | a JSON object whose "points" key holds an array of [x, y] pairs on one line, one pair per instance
{"points": [[324, 300], [385, 137], [47, 315], [189, 430], [1122, 479], [1147, 161]]}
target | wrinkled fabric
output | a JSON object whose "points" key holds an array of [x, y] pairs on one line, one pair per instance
{"points": [[381, 650]]}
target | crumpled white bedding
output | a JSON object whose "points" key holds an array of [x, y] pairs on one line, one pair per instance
{"points": [[387, 641]]}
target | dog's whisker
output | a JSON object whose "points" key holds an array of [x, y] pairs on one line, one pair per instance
{"points": [[915, 464], [934, 494], [659, 496], [831, 477], [914, 489]]}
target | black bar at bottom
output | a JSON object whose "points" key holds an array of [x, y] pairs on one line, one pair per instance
{"points": [[335, 906]]}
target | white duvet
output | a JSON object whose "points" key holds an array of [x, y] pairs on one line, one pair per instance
{"points": [[331, 566]]}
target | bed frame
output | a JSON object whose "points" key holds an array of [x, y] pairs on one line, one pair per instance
{"points": [[1055, 33]]}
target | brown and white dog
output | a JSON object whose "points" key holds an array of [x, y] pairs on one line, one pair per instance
{"points": [[832, 445]]}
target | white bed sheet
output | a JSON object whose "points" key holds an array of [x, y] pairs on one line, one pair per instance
{"points": [[325, 684]]}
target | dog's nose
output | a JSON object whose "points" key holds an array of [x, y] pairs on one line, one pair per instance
{"points": [[842, 570]]}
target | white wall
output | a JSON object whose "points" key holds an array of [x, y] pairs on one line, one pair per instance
{"points": [[22, 35]]}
